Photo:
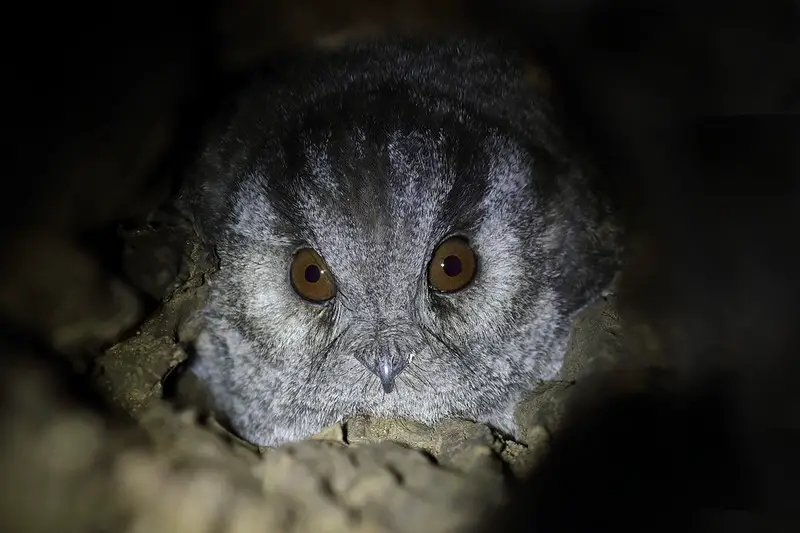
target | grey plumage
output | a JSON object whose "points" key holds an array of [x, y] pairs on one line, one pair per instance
{"points": [[372, 156]]}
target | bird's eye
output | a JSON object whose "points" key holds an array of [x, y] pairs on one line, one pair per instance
{"points": [[310, 276], [453, 265]]}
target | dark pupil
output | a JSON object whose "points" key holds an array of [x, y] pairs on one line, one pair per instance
{"points": [[451, 265], [313, 273]]}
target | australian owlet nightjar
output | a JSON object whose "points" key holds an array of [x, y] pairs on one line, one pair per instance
{"points": [[402, 231]]}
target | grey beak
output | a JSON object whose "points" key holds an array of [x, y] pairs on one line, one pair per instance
{"points": [[386, 374], [387, 366]]}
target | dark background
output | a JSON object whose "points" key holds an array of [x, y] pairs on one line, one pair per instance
{"points": [[689, 108]]}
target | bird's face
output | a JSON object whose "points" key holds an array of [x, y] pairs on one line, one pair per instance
{"points": [[413, 266]]}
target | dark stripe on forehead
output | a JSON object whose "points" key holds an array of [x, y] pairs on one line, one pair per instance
{"points": [[339, 153], [464, 208]]}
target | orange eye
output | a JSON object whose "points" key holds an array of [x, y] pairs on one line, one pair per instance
{"points": [[311, 277], [453, 265]]}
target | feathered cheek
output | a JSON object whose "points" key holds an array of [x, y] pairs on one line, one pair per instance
{"points": [[269, 303], [297, 332], [426, 353], [501, 275]]}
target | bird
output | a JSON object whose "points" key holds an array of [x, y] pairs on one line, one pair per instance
{"points": [[403, 230]]}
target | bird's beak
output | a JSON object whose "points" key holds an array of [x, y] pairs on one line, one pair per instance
{"points": [[386, 374], [388, 364]]}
